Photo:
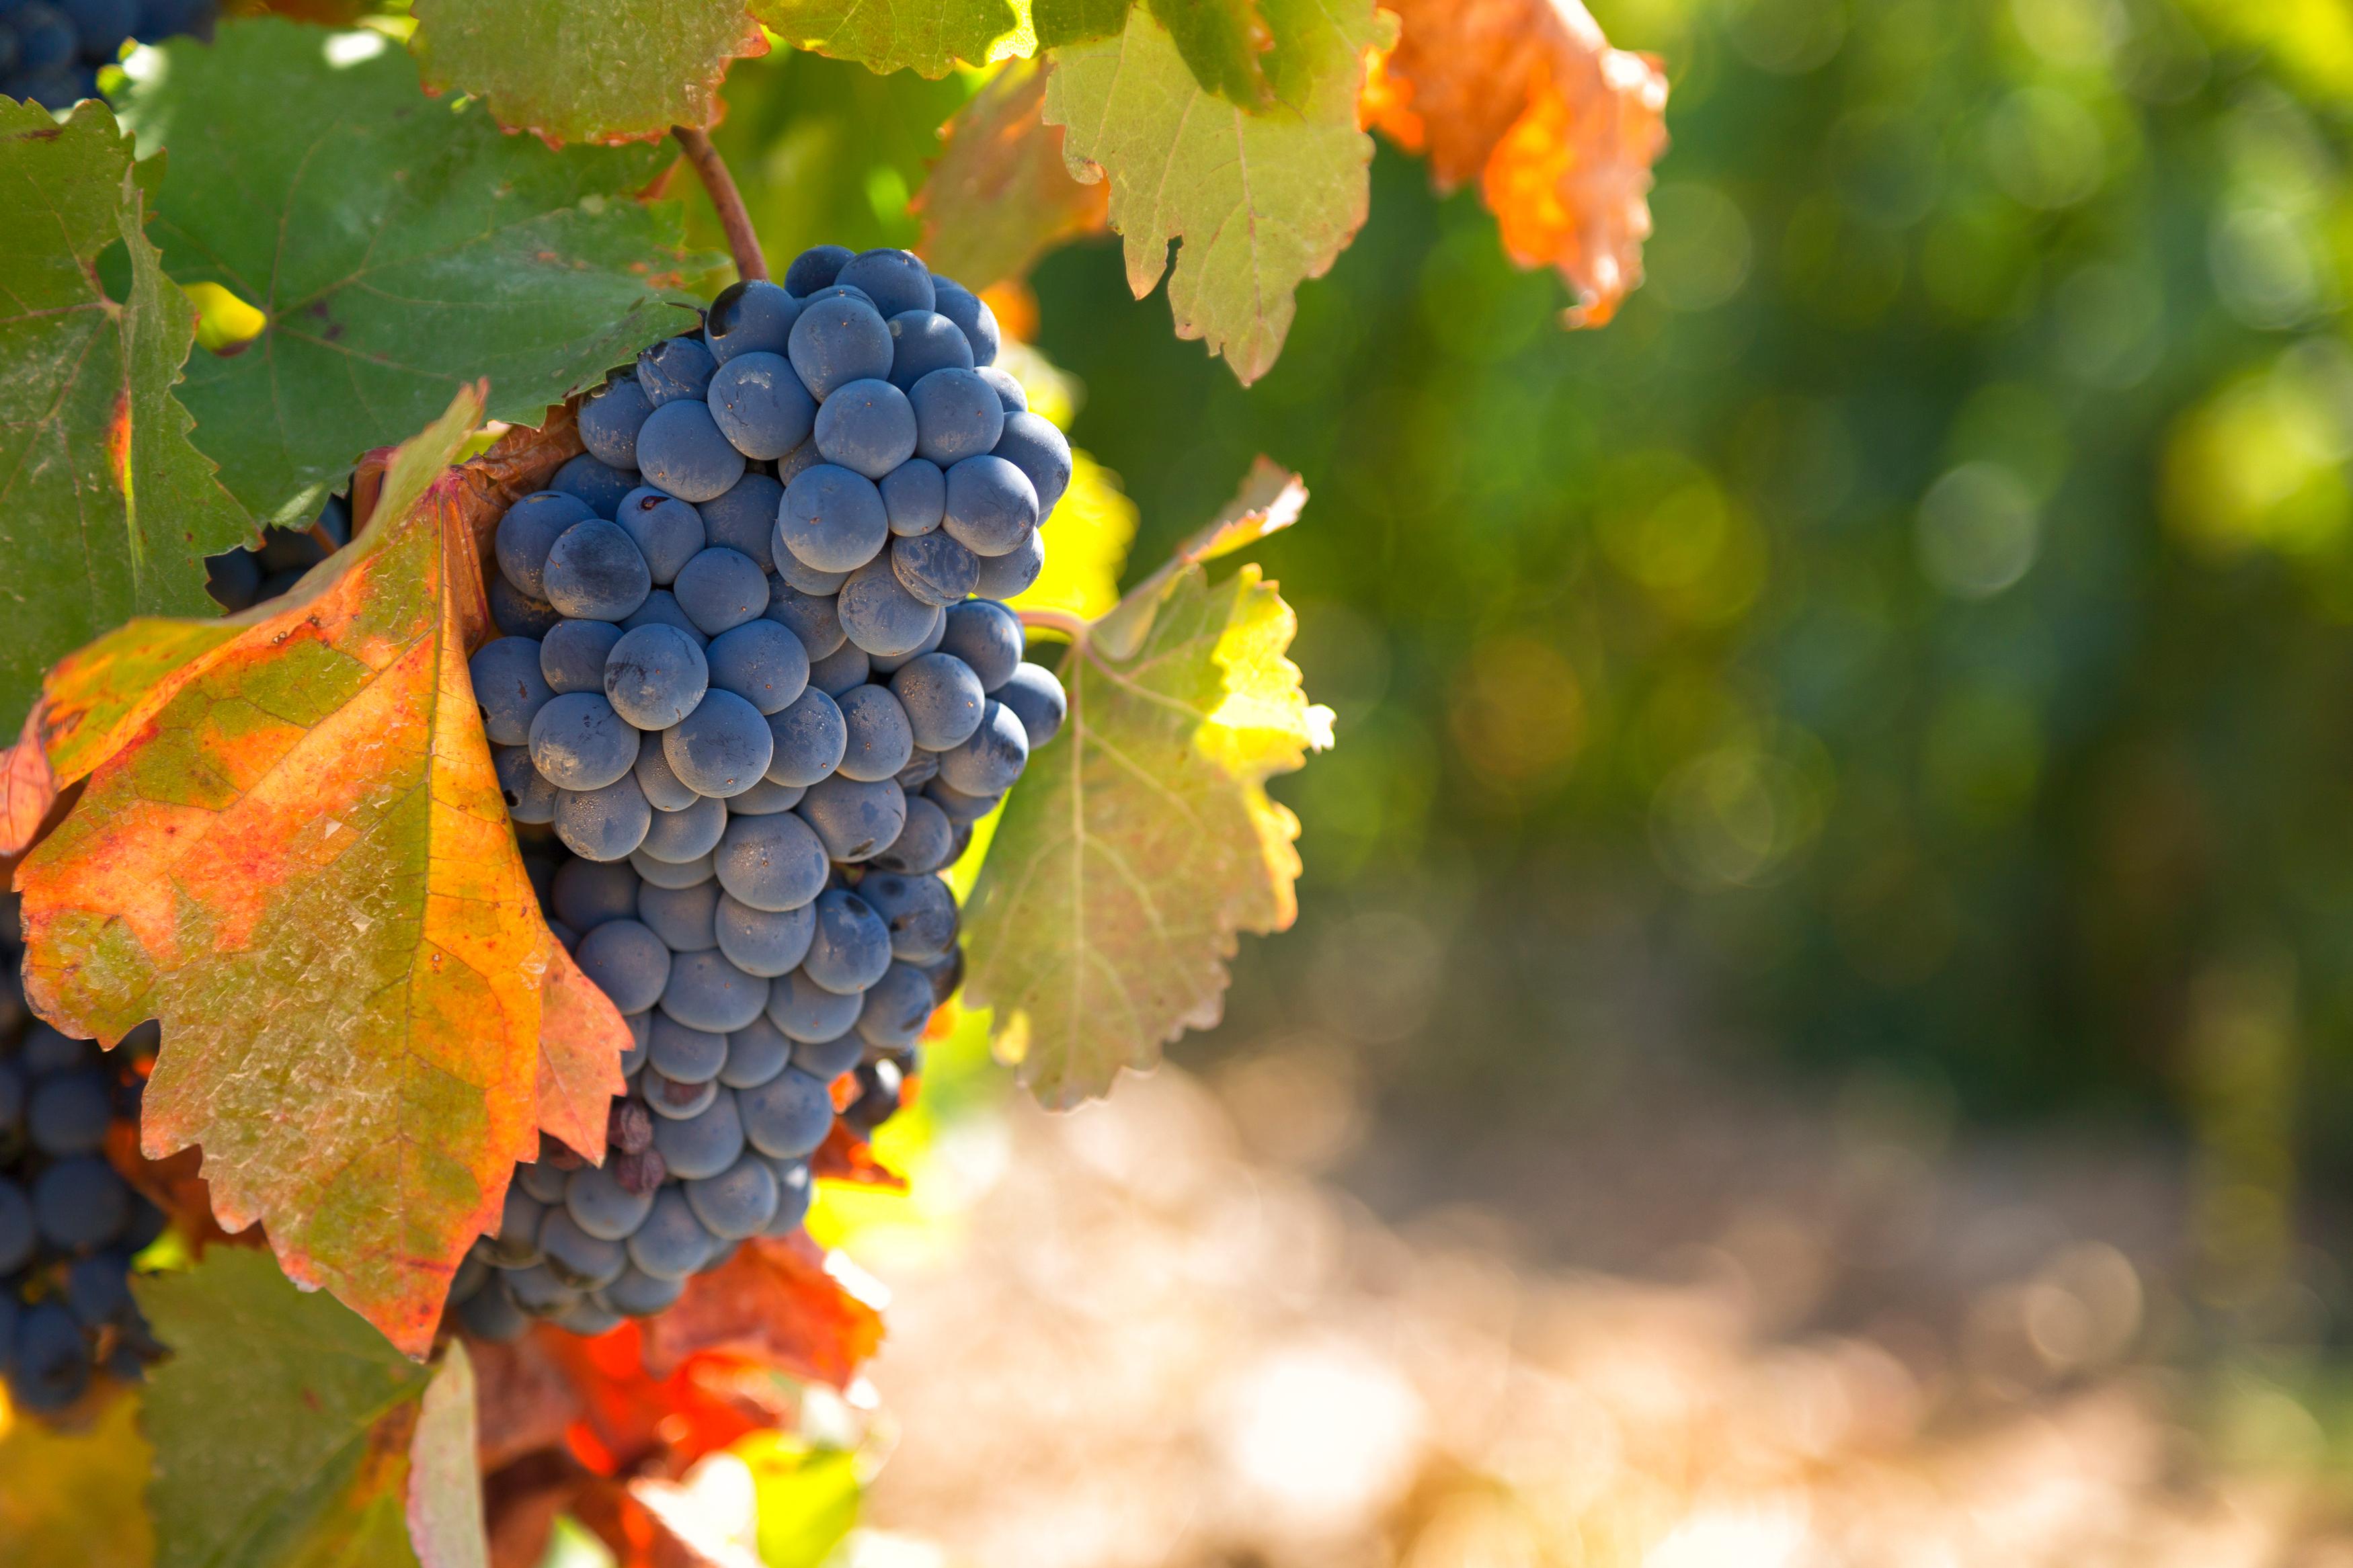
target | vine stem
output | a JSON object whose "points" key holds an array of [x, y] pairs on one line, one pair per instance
{"points": [[1075, 627], [750, 265]]}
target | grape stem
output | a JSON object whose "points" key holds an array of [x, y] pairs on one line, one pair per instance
{"points": [[742, 242], [1075, 627]]}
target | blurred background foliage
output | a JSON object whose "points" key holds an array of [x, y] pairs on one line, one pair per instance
{"points": [[1915, 632]]}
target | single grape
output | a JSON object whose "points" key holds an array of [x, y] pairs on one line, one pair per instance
{"points": [[684, 1055], [764, 798], [80, 1203], [572, 656], [935, 569], [530, 797], [886, 664], [828, 1059], [517, 614], [627, 962], [669, 875], [914, 497], [661, 609], [972, 316], [807, 739], [755, 1053], [1010, 574], [682, 449], [880, 616], [542, 1183], [852, 945], [738, 1201], [761, 662], [579, 743], [994, 756], [773, 863], [866, 426], [919, 911], [50, 1366], [18, 1234], [601, 1206], [898, 1005], [721, 589], [896, 281], [855, 819], [671, 1244], [665, 791], [838, 341], [530, 530], [675, 368], [1035, 696], [808, 1013], [596, 481], [722, 748], [787, 1117], [744, 519], [815, 267], [880, 739], [962, 810], [1009, 392], [795, 1192], [654, 677], [754, 316], [941, 697], [957, 416], [682, 917], [924, 342], [798, 574], [988, 637], [761, 405], [681, 836], [594, 572], [666, 530], [585, 894], [832, 520], [639, 1294], [1033, 444], [926, 844], [991, 505], [672, 1100], [702, 1145], [706, 992], [812, 617], [838, 672], [578, 1259], [611, 419], [490, 1314]]}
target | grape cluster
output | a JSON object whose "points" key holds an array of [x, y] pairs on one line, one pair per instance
{"points": [[745, 683], [51, 50], [69, 1224]]}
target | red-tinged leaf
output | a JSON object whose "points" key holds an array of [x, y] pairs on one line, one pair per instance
{"points": [[301, 863], [775, 1303], [1001, 196], [844, 1156], [1559, 129], [28, 787], [630, 1415], [445, 1478], [525, 1400]]}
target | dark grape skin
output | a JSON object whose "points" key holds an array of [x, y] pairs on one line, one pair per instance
{"points": [[765, 942], [1031, 444], [920, 912], [50, 1368], [886, 664], [706, 992], [1035, 695], [754, 316], [942, 698], [660, 609], [773, 863], [796, 573], [972, 316], [1009, 392], [925, 341], [80, 1203], [665, 791], [596, 481], [684, 918], [957, 416], [855, 820], [604, 1208], [935, 569], [744, 519], [807, 740], [18, 1234], [671, 1244], [795, 1192], [988, 637], [542, 1183], [760, 405], [755, 1053], [1010, 574], [682, 450], [764, 663], [880, 615], [675, 1101], [721, 589], [914, 497], [627, 962], [991, 505], [815, 267], [665, 874], [654, 677], [604, 824], [611, 419], [685, 1055], [962, 810], [594, 572], [880, 739], [896, 281], [851, 946], [738, 1201], [675, 368], [788, 1116], [529, 528], [639, 1295], [994, 756], [927, 843], [579, 743], [844, 668], [666, 530], [815, 618], [517, 614], [722, 748], [828, 1059], [808, 1013], [897, 1008], [681, 836], [832, 520], [866, 426], [508, 688], [764, 798], [838, 341], [572, 656], [578, 1259], [704, 1144]]}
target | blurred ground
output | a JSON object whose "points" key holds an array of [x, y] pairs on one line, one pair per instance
{"points": [[1199, 1325]]}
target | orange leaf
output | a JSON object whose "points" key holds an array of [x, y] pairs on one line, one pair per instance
{"points": [[1001, 195], [292, 851], [844, 1156], [632, 1418], [1560, 130], [774, 1303]]}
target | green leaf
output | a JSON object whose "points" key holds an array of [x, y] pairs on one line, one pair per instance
{"points": [[106, 510], [808, 1499], [1061, 22], [1224, 43], [282, 1421], [928, 37], [586, 71], [1001, 195], [1261, 201], [397, 247], [1143, 839]]}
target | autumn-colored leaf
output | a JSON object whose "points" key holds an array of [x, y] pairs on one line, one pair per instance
{"points": [[525, 1400], [1001, 194], [774, 1302], [846, 1157], [65, 1497], [631, 1414], [299, 860], [1261, 201], [586, 70], [1559, 129], [1143, 838]]}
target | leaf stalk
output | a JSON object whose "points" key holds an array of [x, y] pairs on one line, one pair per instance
{"points": [[743, 243]]}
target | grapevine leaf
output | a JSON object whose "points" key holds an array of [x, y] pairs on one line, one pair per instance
{"points": [[775, 1302], [445, 1476], [1261, 201], [1086, 540], [282, 1421], [927, 36], [106, 510], [63, 1495], [300, 861], [396, 247], [586, 70], [846, 1158], [1559, 129], [1143, 839], [1062, 22], [1224, 43], [1000, 195]]}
